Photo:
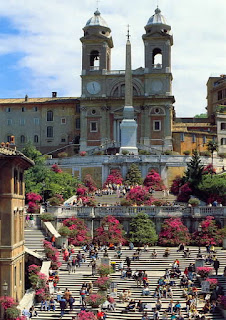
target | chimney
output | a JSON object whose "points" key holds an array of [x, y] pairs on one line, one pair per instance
{"points": [[12, 143], [54, 94], [26, 98]]}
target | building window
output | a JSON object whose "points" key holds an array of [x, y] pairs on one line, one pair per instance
{"points": [[77, 107], [8, 109], [63, 140], [49, 132], [22, 122], [23, 109], [157, 125], [15, 276], [182, 137], [22, 139], [49, 115], [77, 123], [35, 109], [15, 181], [204, 139], [8, 138], [93, 126], [36, 138], [223, 141], [219, 95], [193, 138], [223, 125], [21, 182], [36, 121], [63, 120], [157, 58], [9, 122]]}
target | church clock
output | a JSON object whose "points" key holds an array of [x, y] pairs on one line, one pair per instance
{"points": [[93, 87]]}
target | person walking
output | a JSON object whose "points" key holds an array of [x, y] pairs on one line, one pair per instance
{"points": [[216, 265], [63, 305]]}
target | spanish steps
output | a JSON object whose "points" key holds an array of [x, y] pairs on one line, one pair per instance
{"points": [[155, 268]]}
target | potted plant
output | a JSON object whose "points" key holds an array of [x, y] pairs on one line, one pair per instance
{"points": [[204, 272], [47, 217], [86, 315], [103, 283], [12, 313], [125, 152], [186, 152], [95, 299], [104, 270], [194, 202]]}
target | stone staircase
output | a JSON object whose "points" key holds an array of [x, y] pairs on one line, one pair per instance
{"points": [[33, 239], [154, 267]]}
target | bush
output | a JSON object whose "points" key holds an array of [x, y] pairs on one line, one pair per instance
{"points": [[95, 299], [115, 234], [56, 168], [12, 313], [154, 181], [90, 183], [185, 192], [126, 203], [115, 177], [133, 176], [194, 202], [205, 154], [62, 155], [57, 200], [79, 233], [7, 302], [187, 152], [173, 233], [81, 190], [144, 152], [103, 283], [204, 271], [98, 153], [125, 152], [175, 187], [64, 231], [209, 234], [209, 169], [86, 315], [104, 270], [140, 196], [47, 217]]}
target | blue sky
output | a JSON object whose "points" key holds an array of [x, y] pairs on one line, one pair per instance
{"points": [[40, 50]]}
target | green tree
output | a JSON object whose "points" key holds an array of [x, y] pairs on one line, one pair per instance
{"points": [[43, 180], [133, 176], [211, 186], [193, 174], [142, 230], [201, 115]]}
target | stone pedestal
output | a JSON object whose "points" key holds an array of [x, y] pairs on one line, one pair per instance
{"points": [[199, 263], [106, 261], [129, 136]]}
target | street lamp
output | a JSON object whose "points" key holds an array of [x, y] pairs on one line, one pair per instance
{"points": [[5, 287], [199, 231], [106, 227]]}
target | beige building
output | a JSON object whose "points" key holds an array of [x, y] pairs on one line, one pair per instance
{"points": [[49, 123], [12, 195]]}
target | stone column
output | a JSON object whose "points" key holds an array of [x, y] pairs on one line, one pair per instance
{"points": [[168, 131], [103, 127], [83, 137], [146, 126]]}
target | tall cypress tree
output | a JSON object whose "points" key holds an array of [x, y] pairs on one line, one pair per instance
{"points": [[193, 175], [133, 176]]}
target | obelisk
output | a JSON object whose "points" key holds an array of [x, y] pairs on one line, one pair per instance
{"points": [[128, 125]]}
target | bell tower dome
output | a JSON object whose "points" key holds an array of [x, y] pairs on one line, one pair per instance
{"points": [[158, 41], [96, 45]]}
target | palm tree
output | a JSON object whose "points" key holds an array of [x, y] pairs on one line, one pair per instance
{"points": [[212, 146]]}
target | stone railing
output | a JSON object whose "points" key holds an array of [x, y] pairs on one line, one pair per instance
{"points": [[95, 212]]}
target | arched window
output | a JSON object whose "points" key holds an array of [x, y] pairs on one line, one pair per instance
{"points": [[22, 139], [223, 141], [120, 91], [94, 60], [49, 132], [50, 115], [36, 138], [157, 58]]}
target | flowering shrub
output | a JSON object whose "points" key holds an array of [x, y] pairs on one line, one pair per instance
{"points": [[115, 177], [90, 183], [104, 270], [173, 233], [56, 168], [52, 253], [175, 187], [215, 197], [95, 299], [223, 302], [209, 169], [7, 302], [103, 283], [33, 202], [204, 271], [213, 282], [86, 315], [33, 268], [184, 193], [81, 190], [82, 153], [139, 195], [114, 233], [209, 233], [12, 313], [88, 201], [154, 181], [79, 233], [56, 200]]}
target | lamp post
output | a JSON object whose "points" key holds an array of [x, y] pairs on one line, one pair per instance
{"points": [[106, 228], [5, 289], [199, 231]]}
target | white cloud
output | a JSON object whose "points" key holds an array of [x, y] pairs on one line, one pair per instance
{"points": [[49, 33]]}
